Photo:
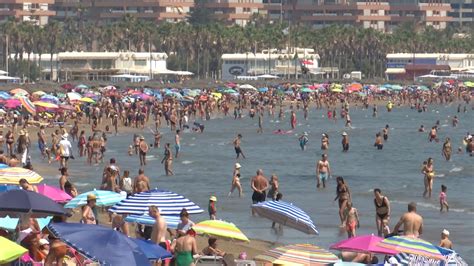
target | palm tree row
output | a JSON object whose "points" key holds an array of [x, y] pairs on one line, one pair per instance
{"points": [[198, 48]]}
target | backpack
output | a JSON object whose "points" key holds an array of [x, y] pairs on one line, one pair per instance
{"points": [[127, 184]]}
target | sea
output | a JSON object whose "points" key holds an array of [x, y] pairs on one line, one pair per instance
{"points": [[206, 163]]}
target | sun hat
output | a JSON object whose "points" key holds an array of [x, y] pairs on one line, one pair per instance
{"points": [[65, 135], [22, 132], [237, 165], [91, 197], [43, 241], [344, 133], [213, 198], [305, 133], [141, 137], [445, 232]]}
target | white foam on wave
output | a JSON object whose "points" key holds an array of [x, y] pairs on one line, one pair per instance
{"points": [[192, 144], [440, 175], [187, 162], [432, 206], [81, 184], [456, 169]]}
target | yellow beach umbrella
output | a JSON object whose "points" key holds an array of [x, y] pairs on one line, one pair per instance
{"points": [[10, 250], [220, 229], [19, 91], [217, 95], [46, 104], [39, 93], [87, 100], [12, 175], [298, 255]]}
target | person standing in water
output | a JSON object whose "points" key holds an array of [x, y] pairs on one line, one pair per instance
{"points": [[303, 141], [236, 180], [447, 149], [385, 132], [351, 220], [343, 194], [260, 122], [237, 148], [177, 141], [293, 120], [143, 149], [443, 201], [412, 222], [325, 142], [445, 242], [168, 160], [259, 184], [428, 172], [378, 141], [323, 171], [345, 142], [382, 212]]}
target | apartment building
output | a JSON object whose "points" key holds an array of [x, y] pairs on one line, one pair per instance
{"points": [[112, 10], [34, 11], [462, 13]]}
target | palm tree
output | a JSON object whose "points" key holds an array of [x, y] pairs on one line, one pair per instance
{"points": [[53, 30]]}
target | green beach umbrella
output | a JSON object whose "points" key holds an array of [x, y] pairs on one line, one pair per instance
{"points": [[10, 251], [469, 84], [306, 90]]}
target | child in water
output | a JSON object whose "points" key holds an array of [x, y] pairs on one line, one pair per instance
{"points": [[443, 202], [351, 220], [212, 208]]}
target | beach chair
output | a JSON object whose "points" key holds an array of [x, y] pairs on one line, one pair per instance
{"points": [[209, 261]]}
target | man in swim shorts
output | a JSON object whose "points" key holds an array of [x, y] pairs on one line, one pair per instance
{"points": [[177, 141], [323, 171], [237, 148], [259, 186]]}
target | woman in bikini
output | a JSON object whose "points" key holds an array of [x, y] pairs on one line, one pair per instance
{"points": [[428, 171], [10, 138], [343, 195], [382, 212]]}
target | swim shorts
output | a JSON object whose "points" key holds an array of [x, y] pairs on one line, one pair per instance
{"points": [[238, 150], [258, 197], [323, 176]]}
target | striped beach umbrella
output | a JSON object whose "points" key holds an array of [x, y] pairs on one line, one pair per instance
{"points": [[104, 198], [287, 214], [49, 98], [298, 255], [413, 246], [12, 175], [145, 219], [4, 95], [220, 229], [46, 104], [28, 105], [169, 203], [19, 91]]}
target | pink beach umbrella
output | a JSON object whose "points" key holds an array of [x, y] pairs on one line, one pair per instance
{"points": [[53, 193], [12, 103], [364, 243]]}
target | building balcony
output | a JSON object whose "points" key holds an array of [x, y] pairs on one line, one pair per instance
{"points": [[373, 18], [121, 14], [27, 1], [328, 18], [34, 13], [109, 3], [438, 18], [234, 5]]}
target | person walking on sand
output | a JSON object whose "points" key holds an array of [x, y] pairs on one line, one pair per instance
{"points": [[351, 219], [238, 150], [236, 181], [412, 222], [143, 147], [382, 212], [259, 185], [168, 160], [445, 241], [323, 171]]}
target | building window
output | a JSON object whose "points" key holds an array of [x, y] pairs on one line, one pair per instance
{"points": [[140, 62], [374, 12]]}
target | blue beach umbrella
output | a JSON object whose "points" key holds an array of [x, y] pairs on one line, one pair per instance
{"points": [[169, 203], [4, 188], [4, 95], [11, 223], [101, 244], [145, 219], [104, 198], [152, 251], [3, 166], [49, 98], [263, 89], [14, 202], [287, 214]]}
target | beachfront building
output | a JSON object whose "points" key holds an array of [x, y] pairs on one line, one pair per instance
{"points": [[112, 10], [34, 11], [462, 13], [101, 65], [408, 66], [288, 63]]}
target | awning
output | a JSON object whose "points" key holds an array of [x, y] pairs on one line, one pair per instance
{"points": [[395, 71]]}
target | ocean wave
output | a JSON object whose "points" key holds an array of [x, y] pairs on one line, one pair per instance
{"points": [[456, 169], [187, 162], [432, 206]]}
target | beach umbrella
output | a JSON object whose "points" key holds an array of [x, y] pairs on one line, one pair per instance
{"points": [[247, 87], [28, 105], [220, 229], [74, 96], [287, 214], [11, 224], [230, 91], [12, 103], [306, 89], [46, 105], [100, 244], [67, 107], [49, 98], [151, 250], [355, 87], [86, 100], [17, 201], [12, 175], [469, 84], [19, 91], [262, 89], [364, 243], [104, 198], [108, 88], [10, 250], [4, 188], [53, 193], [38, 93], [298, 254], [411, 245], [169, 203], [216, 95], [145, 219], [81, 87], [230, 85], [3, 166], [4, 95]]}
